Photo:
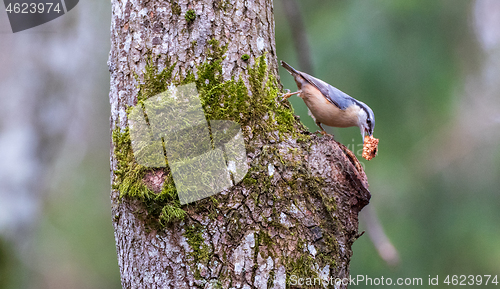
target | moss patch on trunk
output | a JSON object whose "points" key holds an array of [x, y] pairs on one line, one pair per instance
{"points": [[257, 109]]}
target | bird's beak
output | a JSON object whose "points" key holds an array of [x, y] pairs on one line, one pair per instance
{"points": [[364, 132]]}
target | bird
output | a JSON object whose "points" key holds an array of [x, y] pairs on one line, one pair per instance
{"points": [[330, 106]]}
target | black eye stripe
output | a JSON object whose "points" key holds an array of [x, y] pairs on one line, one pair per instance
{"points": [[363, 107]]}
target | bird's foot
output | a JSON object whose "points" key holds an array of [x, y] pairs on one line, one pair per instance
{"points": [[288, 94], [322, 132]]}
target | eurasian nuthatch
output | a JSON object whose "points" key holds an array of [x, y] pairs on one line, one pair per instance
{"points": [[330, 106]]}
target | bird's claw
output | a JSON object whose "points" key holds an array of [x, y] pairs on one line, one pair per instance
{"points": [[286, 95], [322, 132]]}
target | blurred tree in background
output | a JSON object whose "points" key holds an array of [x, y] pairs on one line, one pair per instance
{"points": [[55, 220], [429, 70]]}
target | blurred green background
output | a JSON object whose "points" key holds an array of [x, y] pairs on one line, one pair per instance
{"points": [[430, 70]]}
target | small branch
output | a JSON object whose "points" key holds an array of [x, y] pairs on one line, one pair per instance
{"points": [[384, 247]]}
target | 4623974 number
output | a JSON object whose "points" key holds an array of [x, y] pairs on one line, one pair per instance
{"points": [[471, 280], [32, 8]]}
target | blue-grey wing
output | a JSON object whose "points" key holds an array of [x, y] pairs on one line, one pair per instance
{"points": [[334, 95]]}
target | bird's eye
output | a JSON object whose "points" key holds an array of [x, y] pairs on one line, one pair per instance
{"points": [[369, 121]]}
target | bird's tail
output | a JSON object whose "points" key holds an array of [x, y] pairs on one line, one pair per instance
{"points": [[289, 68]]}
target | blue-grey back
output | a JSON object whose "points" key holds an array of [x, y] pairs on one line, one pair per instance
{"points": [[341, 99]]}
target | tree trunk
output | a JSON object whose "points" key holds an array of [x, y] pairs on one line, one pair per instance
{"points": [[294, 214]]}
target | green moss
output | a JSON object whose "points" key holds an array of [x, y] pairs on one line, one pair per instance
{"points": [[245, 57], [201, 251], [302, 267], [194, 237], [153, 81], [266, 239], [128, 173], [176, 8], [216, 284], [270, 281], [221, 99], [333, 246], [190, 16], [223, 5], [230, 99], [162, 208]]}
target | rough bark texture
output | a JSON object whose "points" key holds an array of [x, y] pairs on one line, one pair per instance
{"points": [[294, 214]]}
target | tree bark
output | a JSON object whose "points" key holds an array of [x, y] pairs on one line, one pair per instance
{"points": [[296, 211]]}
